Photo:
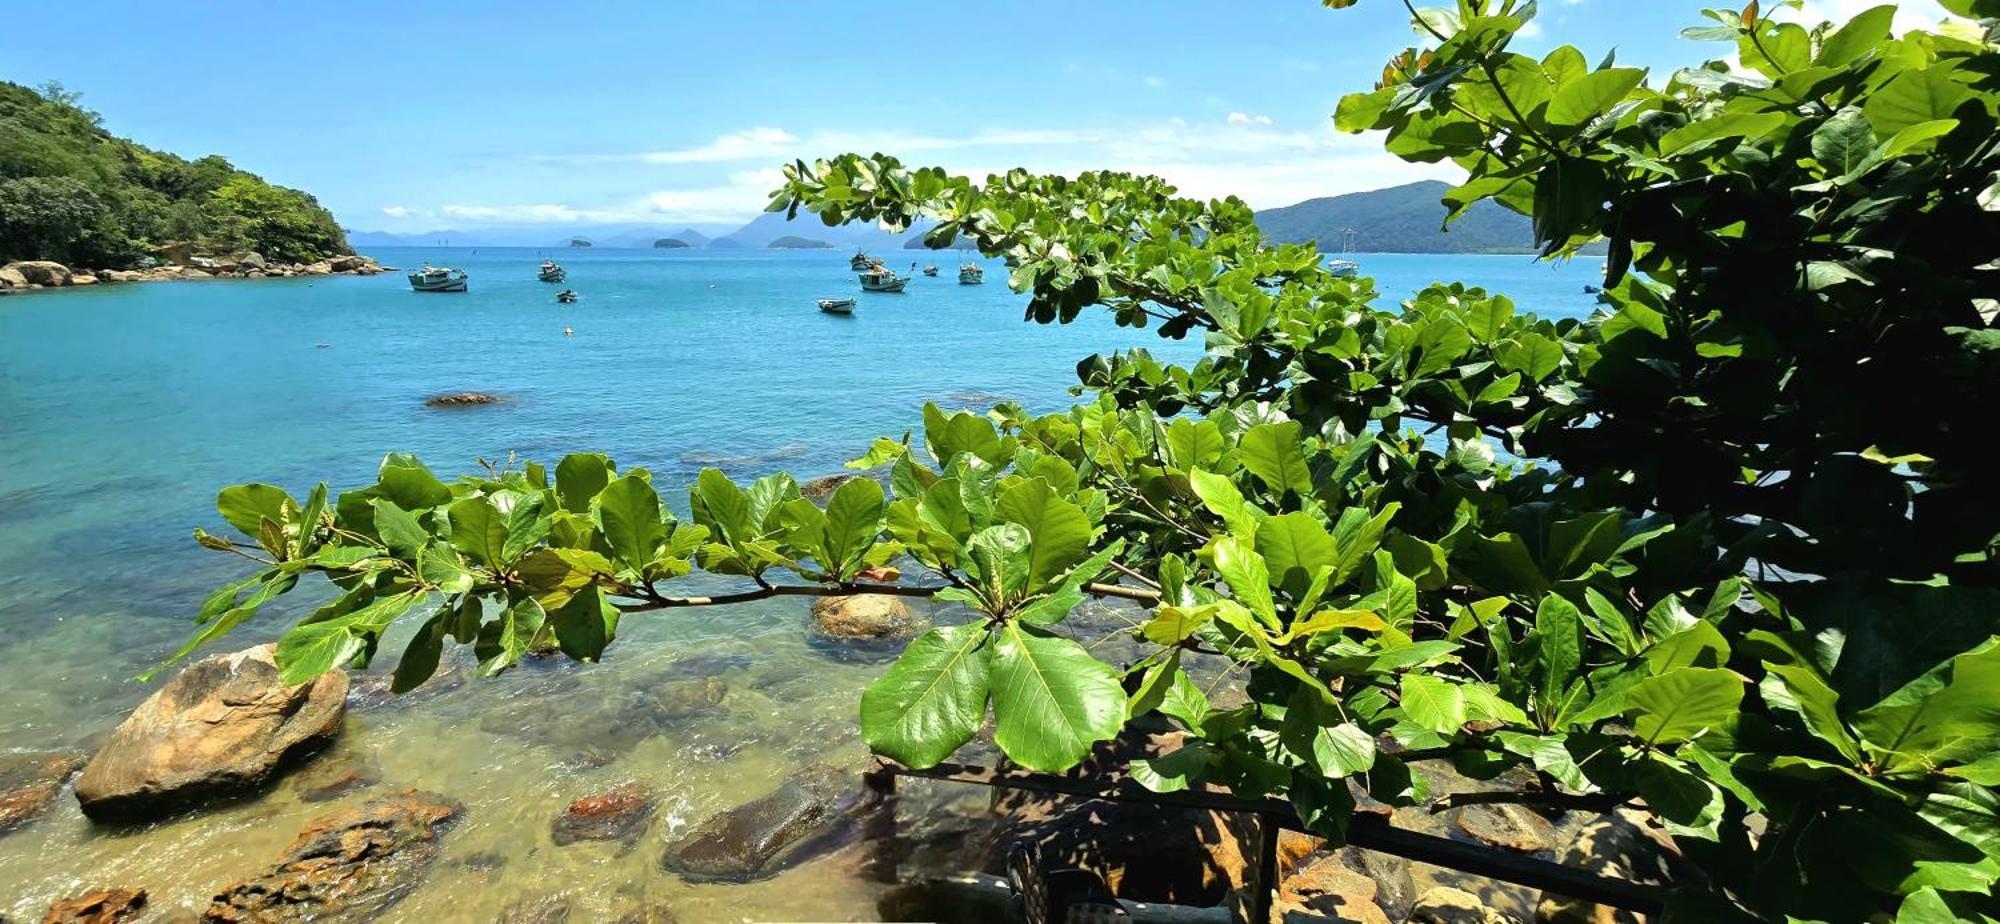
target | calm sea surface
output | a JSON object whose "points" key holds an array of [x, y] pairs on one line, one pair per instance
{"points": [[124, 408]]}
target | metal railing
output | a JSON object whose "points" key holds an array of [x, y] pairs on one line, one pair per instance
{"points": [[1367, 831]]}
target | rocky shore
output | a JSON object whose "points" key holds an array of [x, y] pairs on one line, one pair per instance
{"points": [[25, 275]]}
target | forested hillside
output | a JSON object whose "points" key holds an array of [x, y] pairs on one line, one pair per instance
{"points": [[1400, 219], [74, 193]]}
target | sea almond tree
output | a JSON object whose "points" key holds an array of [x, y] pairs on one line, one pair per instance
{"points": [[1723, 552]]}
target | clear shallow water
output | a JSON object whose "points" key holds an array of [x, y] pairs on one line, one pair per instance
{"points": [[124, 408]]}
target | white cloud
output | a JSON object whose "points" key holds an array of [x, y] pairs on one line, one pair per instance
{"points": [[757, 142], [398, 211], [1530, 30], [1910, 14], [1239, 118], [1154, 81]]}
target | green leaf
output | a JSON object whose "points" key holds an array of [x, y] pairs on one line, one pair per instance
{"points": [[409, 484], [997, 559], [1051, 700], [1913, 97], [1684, 703], [628, 515], [247, 506], [1844, 142], [478, 530], [580, 477], [1248, 576], [1947, 716], [515, 634], [932, 700], [584, 624], [1295, 547], [1059, 530], [1344, 750], [1433, 703], [1801, 690], [309, 650], [1220, 496], [1275, 454], [1861, 35], [1559, 631], [1591, 95], [420, 658], [1718, 128], [399, 530], [853, 520]]}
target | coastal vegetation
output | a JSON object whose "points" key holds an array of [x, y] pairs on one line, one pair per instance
{"points": [[670, 243], [794, 242], [73, 193], [1722, 554], [1400, 219]]}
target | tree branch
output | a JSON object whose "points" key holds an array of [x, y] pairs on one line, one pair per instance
{"points": [[847, 590]]}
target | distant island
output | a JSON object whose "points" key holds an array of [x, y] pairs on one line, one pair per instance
{"points": [[794, 242], [670, 243], [73, 193], [1400, 219], [579, 242]]}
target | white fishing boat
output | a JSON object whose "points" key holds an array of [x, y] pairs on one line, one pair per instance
{"points": [[437, 279], [551, 271], [883, 279], [837, 305], [971, 275]]}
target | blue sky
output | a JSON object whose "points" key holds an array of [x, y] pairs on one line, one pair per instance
{"points": [[412, 117]]}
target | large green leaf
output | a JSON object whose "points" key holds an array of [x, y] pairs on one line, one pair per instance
{"points": [[1913, 97], [580, 477], [1294, 547], [628, 515], [399, 529], [854, 518], [1947, 716], [1275, 454], [511, 636], [247, 506], [1249, 578], [1059, 529], [406, 481], [479, 530], [997, 559], [1051, 700], [1684, 703], [1433, 703], [932, 700], [1591, 95]]}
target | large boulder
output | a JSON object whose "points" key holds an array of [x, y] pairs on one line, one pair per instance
{"points": [[349, 263], [350, 865], [38, 272], [11, 278], [102, 906], [30, 782], [866, 617], [809, 814], [224, 726]]}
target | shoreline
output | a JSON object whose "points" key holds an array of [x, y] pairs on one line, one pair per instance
{"points": [[40, 275]]}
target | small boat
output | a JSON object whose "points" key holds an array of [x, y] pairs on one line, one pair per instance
{"points": [[860, 262], [930, 270], [551, 271], [882, 279], [566, 296], [437, 279], [1343, 268], [971, 275], [837, 305]]}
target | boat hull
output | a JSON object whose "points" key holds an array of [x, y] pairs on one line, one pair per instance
{"points": [[837, 305], [557, 276]]}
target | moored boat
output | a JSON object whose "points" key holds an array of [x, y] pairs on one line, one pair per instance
{"points": [[437, 279], [1343, 268], [883, 279], [566, 296], [551, 271], [971, 275], [861, 261], [931, 270], [837, 305]]}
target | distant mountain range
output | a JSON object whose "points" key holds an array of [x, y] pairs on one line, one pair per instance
{"points": [[1400, 219]]}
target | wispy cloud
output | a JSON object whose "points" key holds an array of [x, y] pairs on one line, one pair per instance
{"points": [[398, 211], [1241, 118]]}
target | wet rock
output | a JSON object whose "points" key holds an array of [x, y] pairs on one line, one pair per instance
{"points": [[12, 278], [546, 909], [351, 864], [36, 273], [224, 726], [335, 775], [30, 782], [1395, 886], [461, 399], [1327, 886], [1444, 905], [103, 906], [1622, 846], [1295, 848], [1509, 827], [600, 726], [807, 815], [619, 814], [819, 489], [866, 617], [82, 279], [192, 273]]}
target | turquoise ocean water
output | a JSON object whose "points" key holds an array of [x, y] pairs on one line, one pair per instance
{"points": [[124, 408]]}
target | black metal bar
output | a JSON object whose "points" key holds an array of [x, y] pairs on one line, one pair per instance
{"points": [[1268, 880], [1367, 831]]}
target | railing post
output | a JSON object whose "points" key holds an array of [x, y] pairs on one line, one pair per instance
{"points": [[1264, 899]]}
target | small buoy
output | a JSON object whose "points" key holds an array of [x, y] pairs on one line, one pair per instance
{"points": [[568, 331]]}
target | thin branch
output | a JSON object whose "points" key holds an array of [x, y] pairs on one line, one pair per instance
{"points": [[648, 604], [1595, 802]]}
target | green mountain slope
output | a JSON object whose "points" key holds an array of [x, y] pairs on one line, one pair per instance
{"points": [[1400, 219], [74, 193]]}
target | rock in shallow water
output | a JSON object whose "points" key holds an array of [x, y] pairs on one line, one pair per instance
{"points": [[103, 906], [334, 775], [461, 399], [30, 782], [617, 815], [224, 726], [352, 864], [809, 814], [866, 617]]}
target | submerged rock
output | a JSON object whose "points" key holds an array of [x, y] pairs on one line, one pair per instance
{"points": [[601, 726], [224, 726], [461, 399], [1445, 905], [546, 909], [30, 782], [619, 814], [351, 864], [103, 906], [819, 489], [866, 617], [335, 775], [809, 814]]}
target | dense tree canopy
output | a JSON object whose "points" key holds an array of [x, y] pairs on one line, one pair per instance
{"points": [[71, 192], [1723, 552]]}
